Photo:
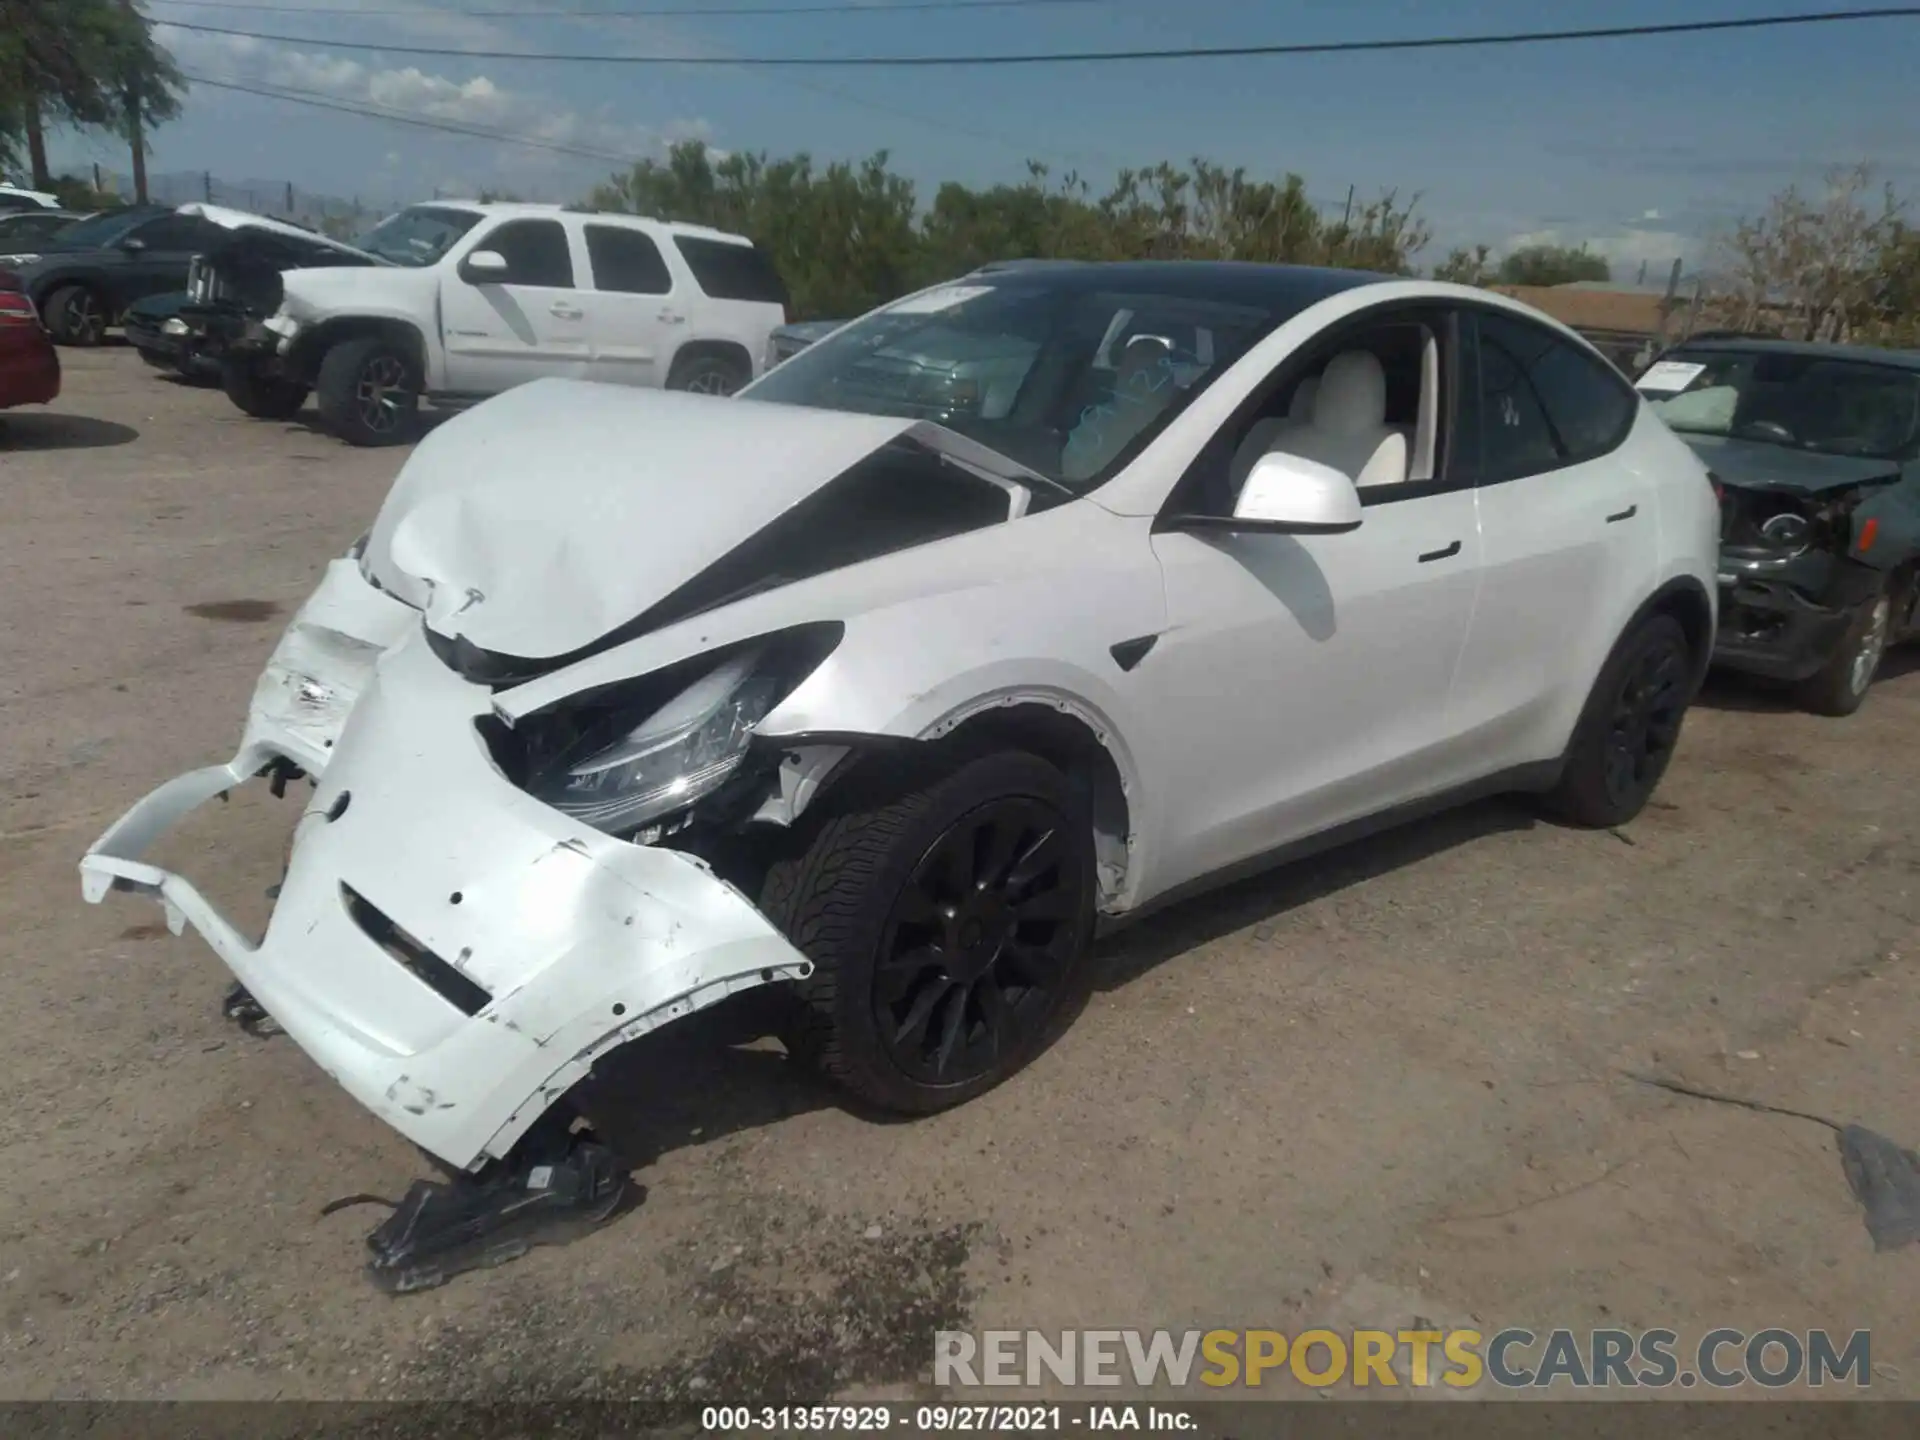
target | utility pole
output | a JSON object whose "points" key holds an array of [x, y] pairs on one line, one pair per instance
{"points": [[289, 199], [135, 137], [206, 186]]}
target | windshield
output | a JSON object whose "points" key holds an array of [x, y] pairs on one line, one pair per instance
{"points": [[1069, 379], [104, 229], [1805, 402], [418, 235]]}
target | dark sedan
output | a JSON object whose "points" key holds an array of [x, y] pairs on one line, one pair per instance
{"points": [[160, 332], [1815, 452], [84, 278]]}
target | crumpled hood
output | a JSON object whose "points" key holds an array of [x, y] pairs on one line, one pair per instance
{"points": [[552, 514], [1755, 465]]}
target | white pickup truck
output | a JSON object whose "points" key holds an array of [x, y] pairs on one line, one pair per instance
{"points": [[455, 301]]}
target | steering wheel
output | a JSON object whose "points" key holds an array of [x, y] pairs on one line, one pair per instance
{"points": [[1768, 429]]}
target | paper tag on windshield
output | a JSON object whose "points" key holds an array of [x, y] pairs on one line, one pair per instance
{"points": [[934, 301], [1669, 376]]}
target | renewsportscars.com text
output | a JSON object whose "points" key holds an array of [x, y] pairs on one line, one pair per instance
{"points": [[1514, 1358]]}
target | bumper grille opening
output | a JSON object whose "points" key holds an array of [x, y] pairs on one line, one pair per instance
{"points": [[440, 977]]}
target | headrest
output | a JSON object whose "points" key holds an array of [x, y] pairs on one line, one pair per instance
{"points": [[1352, 398], [1300, 408]]}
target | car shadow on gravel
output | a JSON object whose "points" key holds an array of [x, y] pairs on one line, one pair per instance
{"points": [[307, 422], [42, 431], [1745, 693], [1126, 954]]}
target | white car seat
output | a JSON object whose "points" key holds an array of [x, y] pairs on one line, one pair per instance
{"points": [[1345, 426]]}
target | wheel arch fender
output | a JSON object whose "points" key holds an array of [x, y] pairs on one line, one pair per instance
{"points": [[1055, 709], [1686, 599], [45, 284], [731, 351], [312, 345]]}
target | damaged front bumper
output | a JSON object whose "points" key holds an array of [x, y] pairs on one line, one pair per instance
{"points": [[453, 952], [1782, 619]]}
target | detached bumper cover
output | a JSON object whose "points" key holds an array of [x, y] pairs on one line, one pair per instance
{"points": [[450, 950]]}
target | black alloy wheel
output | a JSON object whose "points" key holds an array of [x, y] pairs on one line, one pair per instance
{"points": [[976, 952], [1647, 711]]}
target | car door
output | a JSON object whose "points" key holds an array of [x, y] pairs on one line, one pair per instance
{"points": [[158, 255], [1569, 529], [633, 314], [1308, 677], [525, 322]]}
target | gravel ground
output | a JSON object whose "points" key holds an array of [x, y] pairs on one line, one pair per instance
{"points": [[1384, 1084]]}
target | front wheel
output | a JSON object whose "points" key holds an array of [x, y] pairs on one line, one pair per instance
{"points": [[948, 928], [76, 316], [1626, 735], [264, 397], [1840, 686], [369, 392]]}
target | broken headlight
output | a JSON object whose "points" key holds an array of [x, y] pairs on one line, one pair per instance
{"points": [[628, 758], [681, 753]]}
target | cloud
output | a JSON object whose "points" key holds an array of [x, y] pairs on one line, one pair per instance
{"points": [[479, 101]]}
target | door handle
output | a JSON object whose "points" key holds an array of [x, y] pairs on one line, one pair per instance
{"points": [[672, 317], [1626, 514], [564, 311], [1446, 554]]}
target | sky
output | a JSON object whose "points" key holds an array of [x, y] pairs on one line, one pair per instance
{"points": [[1644, 149]]}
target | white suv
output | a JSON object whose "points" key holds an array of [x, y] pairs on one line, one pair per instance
{"points": [[463, 300]]}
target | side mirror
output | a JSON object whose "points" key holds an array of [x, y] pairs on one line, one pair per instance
{"points": [[1296, 496], [483, 266]]}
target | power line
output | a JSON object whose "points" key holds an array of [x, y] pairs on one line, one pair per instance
{"points": [[1082, 57], [643, 13], [368, 111]]}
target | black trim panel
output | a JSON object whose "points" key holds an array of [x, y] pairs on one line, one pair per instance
{"points": [[1129, 653]]}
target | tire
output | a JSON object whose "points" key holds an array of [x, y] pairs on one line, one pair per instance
{"points": [[264, 397], [926, 992], [369, 392], [1627, 732], [1840, 686], [76, 316], [707, 374]]}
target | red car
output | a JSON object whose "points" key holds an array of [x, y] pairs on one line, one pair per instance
{"points": [[29, 365]]}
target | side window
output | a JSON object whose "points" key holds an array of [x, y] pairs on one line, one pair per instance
{"points": [[535, 251], [727, 270], [1584, 405], [178, 232], [1364, 399], [626, 260], [1516, 437]]}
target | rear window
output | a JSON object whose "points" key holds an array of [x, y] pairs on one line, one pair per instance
{"points": [[732, 272], [627, 261]]}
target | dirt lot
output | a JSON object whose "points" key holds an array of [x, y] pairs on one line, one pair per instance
{"points": [[1382, 1085]]}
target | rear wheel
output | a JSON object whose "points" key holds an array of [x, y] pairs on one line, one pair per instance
{"points": [[76, 315], [264, 397], [1840, 686], [948, 929], [369, 392], [708, 374], [1626, 735]]}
